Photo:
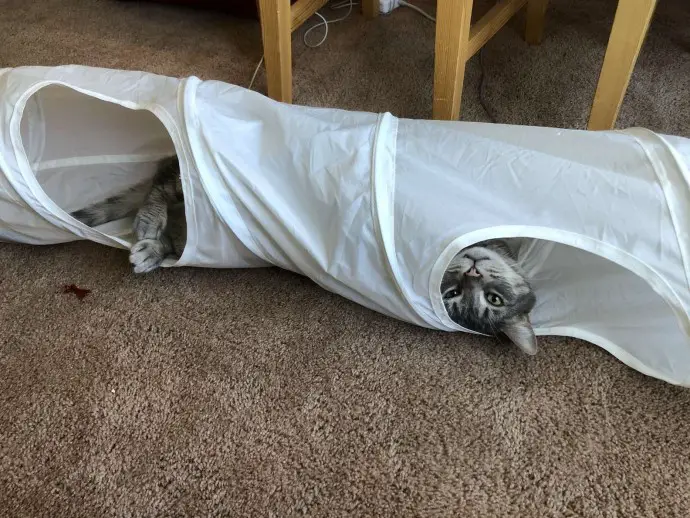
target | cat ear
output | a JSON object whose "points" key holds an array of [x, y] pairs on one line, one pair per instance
{"points": [[520, 332]]}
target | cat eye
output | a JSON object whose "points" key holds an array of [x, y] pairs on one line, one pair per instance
{"points": [[451, 294], [494, 299]]}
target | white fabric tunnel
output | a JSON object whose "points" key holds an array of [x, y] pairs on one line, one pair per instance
{"points": [[369, 206]]}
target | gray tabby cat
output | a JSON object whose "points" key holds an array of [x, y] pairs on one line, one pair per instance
{"points": [[483, 288], [159, 225]]}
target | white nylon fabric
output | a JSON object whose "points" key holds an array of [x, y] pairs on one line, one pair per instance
{"points": [[368, 206]]}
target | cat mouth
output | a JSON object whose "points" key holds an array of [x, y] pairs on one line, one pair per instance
{"points": [[472, 257]]}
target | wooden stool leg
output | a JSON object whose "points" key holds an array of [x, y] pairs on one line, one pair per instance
{"points": [[627, 35], [452, 34], [536, 15], [276, 30], [370, 8]]}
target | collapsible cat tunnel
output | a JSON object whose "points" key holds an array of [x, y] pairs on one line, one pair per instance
{"points": [[368, 206]]}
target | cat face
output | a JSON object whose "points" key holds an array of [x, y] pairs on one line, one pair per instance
{"points": [[484, 290]]}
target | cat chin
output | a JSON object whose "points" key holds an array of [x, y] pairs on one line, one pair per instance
{"points": [[466, 258]]}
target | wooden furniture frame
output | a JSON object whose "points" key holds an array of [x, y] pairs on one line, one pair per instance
{"points": [[278, 20], [457, 40], [629, 30]]}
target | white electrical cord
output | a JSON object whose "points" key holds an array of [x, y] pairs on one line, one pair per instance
{"points": [[349, 4], [415, 8], [256, 71]]}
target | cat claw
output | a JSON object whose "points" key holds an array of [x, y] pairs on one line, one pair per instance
{"points": [[147, 255]]}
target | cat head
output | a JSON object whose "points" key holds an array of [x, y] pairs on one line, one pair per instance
{"points": [[485, 290]]}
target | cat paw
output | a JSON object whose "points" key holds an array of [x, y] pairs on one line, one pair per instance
{"points": [[147, 255], [147, 227]]}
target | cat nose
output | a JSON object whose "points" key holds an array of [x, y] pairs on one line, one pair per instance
{"points": [[473, 272]]}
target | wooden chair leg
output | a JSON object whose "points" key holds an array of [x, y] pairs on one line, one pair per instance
{"points": [[370, 8], [276, 30], [536, 15], [627, 35], [452, 35]]}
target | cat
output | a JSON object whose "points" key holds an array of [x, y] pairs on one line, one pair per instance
{"points": [[160, 226], [483, 288]]}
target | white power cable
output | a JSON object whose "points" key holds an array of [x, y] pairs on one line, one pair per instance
{"points": [[256, 71], [343, 4], [415, 8], [349, 4]]}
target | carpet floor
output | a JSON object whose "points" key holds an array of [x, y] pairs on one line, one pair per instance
{"points": [[256, 393]]}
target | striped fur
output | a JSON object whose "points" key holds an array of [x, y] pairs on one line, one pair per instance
{"points": [[485, 290], [115, 207], [159, 224]]}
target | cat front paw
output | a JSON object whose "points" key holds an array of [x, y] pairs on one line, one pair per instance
{"points": [[147, 226], [147, 255]]}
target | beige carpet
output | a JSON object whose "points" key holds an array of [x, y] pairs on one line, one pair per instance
{"points": [[256, 393]]}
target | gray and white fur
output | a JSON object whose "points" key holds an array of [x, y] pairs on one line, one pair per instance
{"points": [[485, 290], [159, 224]]}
